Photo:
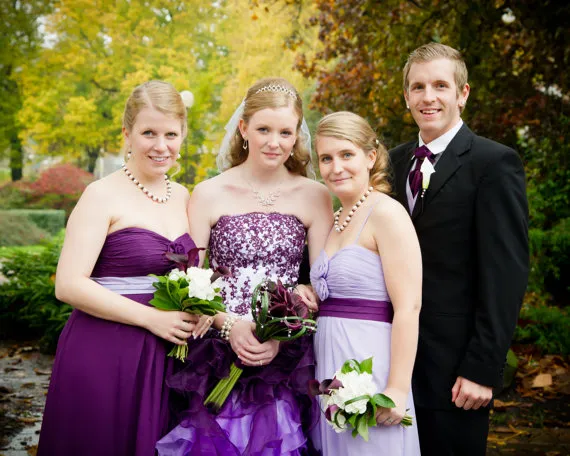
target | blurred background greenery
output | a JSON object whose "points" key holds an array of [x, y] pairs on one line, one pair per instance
{"points": [[66, 69]]}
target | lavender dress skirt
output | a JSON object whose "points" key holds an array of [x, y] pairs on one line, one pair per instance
{"points": [[107, 394], [355, 323]]}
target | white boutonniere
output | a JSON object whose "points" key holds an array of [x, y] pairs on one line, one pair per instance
{"points": [[427, 170]]}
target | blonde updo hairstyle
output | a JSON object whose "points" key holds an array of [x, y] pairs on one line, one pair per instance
{"points": [[262, 95], [158, 95], [351, 127]]}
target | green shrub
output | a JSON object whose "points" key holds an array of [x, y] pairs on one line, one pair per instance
{"points": [[549, 257], [14, 195], [28, 306], [18, 229], [546, 327], [50, 220]]}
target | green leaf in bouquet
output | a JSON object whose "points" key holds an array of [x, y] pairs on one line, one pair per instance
{"points": [[349, 366], [357, 398], [362, 427], [182, 293], [163, 301], [381, 400], [366, 365], [371, 416], [352, 420]]}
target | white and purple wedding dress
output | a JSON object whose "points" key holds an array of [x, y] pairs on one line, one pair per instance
{"points": [[269, 412]]}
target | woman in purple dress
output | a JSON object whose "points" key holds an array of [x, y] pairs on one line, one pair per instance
{"points": [[368, 278], [107, 394], [255, 216]]}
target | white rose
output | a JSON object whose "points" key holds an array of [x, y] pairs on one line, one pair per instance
{"points": [[176, 274], [199, 284], [341, 419], [354, 385]]}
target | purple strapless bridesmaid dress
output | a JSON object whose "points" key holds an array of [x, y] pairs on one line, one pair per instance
{"points": [[269, 412], [107, 394]]}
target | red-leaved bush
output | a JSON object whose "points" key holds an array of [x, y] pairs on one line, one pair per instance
{"points": [[64, 179]]}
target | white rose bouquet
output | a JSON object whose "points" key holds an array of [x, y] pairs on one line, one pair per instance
{"points": [[351, 398], [188, 289]]}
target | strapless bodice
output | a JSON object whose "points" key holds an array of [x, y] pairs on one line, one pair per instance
{"points": [[138, 252], [255, 246]]}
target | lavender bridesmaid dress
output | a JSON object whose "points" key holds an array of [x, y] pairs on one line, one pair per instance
{"points": [[355, 318], [269, 411], [107, 394]]}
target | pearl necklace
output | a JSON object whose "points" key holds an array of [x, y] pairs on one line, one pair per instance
{"points": [[340, 228], [146, 191]]}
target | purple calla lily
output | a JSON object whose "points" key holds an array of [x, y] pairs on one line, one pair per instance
{"points": [[330, 411], [184, 261], [220, 271]]}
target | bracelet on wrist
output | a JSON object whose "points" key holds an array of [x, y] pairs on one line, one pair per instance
{"points": [[227, 326]]}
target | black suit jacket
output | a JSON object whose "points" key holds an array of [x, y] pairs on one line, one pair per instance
{"points": [[472, 225]]}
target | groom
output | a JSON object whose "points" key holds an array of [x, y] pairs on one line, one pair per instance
{"points": [[466, 196]]}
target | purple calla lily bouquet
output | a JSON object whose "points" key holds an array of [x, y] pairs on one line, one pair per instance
{"points": [[278, 314], [189, 289], [351, 399]]}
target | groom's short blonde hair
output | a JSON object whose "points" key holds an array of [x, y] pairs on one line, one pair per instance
{"points": [[434, 51]]}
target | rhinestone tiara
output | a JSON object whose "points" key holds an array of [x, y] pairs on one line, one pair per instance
{"points": [[278, 88]]}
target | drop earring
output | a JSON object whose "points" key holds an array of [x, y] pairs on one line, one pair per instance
{"points": [[129, 155], [244, 144]]}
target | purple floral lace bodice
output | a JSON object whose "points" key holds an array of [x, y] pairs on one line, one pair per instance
{"points": [[255, 246]]}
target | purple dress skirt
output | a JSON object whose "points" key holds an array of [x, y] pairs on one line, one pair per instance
{"points": [[107, 394], [354, 322], [269, 412]]}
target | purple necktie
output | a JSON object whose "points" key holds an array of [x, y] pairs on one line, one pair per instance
{"points": [[416, 175]]}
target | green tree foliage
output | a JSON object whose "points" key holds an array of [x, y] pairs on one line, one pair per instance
{"points": [[74, 91], [19, 41], [517, 54]]}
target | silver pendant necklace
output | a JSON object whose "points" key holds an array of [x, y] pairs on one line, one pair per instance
{"points": [[265, 199]]}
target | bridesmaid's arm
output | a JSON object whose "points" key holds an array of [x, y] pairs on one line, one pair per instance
{"points": [[84, 238], [318, 204], [200, 217], [401, 260]]}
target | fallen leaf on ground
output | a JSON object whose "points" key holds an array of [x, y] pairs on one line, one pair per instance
{"points": [[542, 381]]}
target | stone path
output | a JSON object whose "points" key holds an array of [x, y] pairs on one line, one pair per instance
{"points": [[24, 378]]}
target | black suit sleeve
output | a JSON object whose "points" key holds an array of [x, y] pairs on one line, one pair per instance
{"points": [[502, 254]]}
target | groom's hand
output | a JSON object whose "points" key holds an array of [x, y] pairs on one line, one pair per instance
{"points": [[469, 395]]}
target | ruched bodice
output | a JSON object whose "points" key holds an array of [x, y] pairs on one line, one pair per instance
{"points": [[138, 252], [255, 246], [352, 272]]}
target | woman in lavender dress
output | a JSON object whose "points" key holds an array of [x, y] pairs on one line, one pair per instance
{"points": [[368, 278], [107, 394], [256, 217]]}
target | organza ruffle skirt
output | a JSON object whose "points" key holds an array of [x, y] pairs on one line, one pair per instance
{"points": [[268, 413]]}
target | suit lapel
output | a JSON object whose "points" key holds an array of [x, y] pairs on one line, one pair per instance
{"points": [[401, 171], [446, 166]]}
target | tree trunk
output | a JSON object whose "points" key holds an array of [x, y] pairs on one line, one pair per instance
{"points": [[92, 155], [16, 157]]}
